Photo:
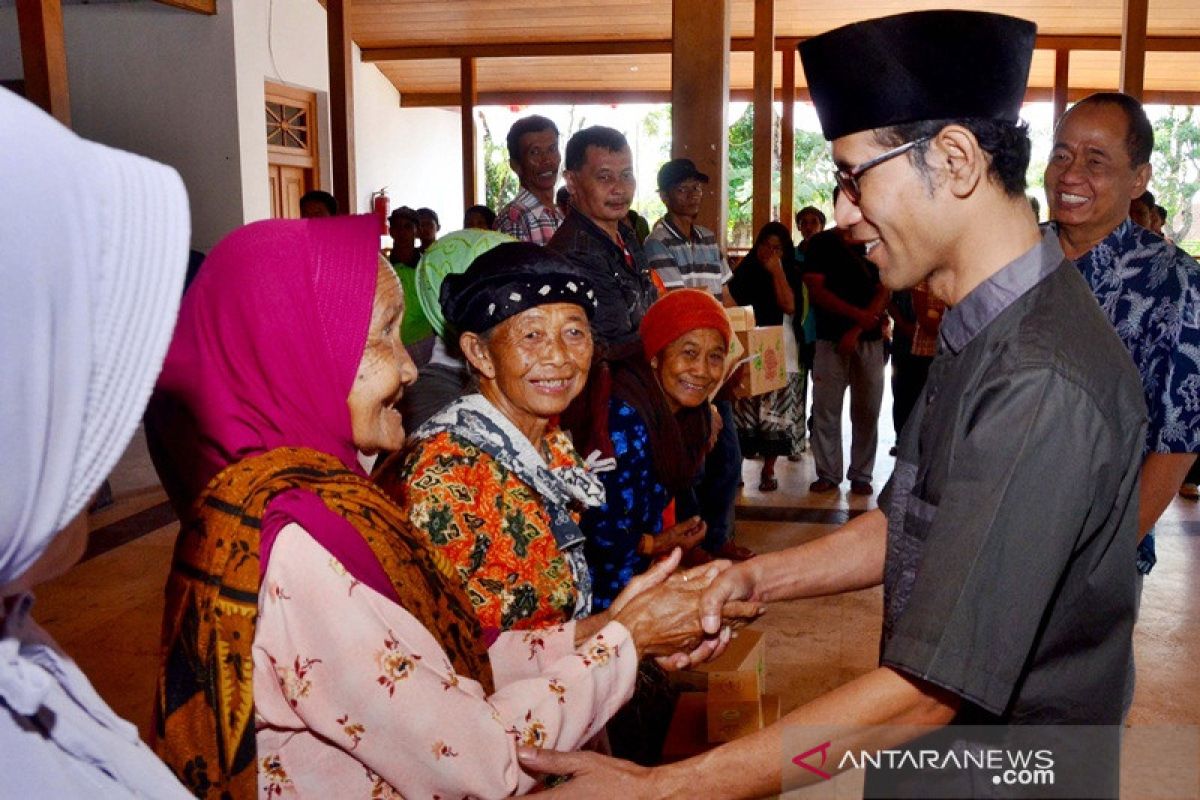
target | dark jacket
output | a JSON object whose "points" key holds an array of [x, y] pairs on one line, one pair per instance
{"points": [[623, 294]]}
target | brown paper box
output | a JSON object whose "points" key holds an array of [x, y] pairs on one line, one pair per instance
{"points": [[766, 369], [687, 735], [743, 654]]}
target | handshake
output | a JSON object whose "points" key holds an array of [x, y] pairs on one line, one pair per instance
{"points": [[673, 615]]}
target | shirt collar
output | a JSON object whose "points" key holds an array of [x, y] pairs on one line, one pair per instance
{"points": [[1112, 243], [987, 300], [674, 231]]}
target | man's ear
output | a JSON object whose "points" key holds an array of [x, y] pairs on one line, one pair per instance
{"points": [[1141, 179], [475, 350], [956, 149]]}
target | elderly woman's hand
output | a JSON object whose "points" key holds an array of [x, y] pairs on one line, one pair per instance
{"points": [[685, 535], [664, 619]]}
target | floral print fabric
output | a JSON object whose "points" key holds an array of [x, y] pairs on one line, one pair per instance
{"points": [[502, 513], [354, 697]]}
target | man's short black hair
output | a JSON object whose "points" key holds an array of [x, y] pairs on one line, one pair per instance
{"points": [[1139, 133], [483, 211], [324, 198], [818, 213], [429, 213], [534, 123], [1006, 144], [609, 139]]}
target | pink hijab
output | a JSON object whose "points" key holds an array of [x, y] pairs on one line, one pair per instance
{"points": [[266, 350]]}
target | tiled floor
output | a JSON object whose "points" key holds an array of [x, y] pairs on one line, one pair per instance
{"points": [[105, 612]]}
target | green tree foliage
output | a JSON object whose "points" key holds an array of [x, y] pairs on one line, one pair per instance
{"points": [[501, 184], [812, 183], [1176, 162]]}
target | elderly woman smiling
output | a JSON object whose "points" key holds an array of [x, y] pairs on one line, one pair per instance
{"points": [[494, 484], [647, 407], [312, 643]]}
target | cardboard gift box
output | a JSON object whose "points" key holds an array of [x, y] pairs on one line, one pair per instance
{"points": [[744, 653], [766, 365], [687, 734]]}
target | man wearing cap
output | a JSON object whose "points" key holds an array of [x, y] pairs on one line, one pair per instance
{"points": [[532, 216], [1003, 538], [683, 255], [1147, 287], [596, 236]]}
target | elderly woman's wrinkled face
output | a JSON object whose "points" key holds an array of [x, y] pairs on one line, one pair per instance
{"points": [[690, 367], [532, 365], [384, 371]]}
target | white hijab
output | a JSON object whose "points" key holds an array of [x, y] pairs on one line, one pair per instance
{"points": [[93, 246]]}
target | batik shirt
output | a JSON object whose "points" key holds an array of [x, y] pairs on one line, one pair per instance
{"points": [[527, 220], [633, 506], [1150, 291], [484, 495]]}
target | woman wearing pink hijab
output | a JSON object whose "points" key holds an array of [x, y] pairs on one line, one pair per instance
{"points": [[311, 643]]}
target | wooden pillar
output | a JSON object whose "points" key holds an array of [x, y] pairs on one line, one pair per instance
{"points": [[787, 139], [1062, 74], [1133, 47], [700, 99], [764, 96], [44, 56], [341, 104], [470, 95]]}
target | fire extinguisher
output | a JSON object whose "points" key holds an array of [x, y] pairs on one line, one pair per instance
{"points": [[379, 206]]}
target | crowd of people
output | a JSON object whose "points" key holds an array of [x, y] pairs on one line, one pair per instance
{"points": [[448, 510]]}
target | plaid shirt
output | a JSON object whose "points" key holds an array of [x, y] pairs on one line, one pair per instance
{"points": [[526, 219], [694, 263]]}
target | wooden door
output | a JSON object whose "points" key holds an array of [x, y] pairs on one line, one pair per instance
{"points": [[292, 161], [287, 185]]}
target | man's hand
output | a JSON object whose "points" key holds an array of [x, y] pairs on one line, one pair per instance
{"points": [[592, 775], [737, 583], [665, 619]]}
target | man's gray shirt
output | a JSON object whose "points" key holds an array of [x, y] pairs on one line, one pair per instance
{"points": [[1012, 512]]}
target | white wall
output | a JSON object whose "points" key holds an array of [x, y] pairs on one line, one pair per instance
{"points": [[297, 40], [187, 89], [415, 152], [157, 81]]}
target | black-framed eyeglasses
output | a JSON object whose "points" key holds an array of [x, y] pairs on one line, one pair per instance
{"points": [[847, 179]]}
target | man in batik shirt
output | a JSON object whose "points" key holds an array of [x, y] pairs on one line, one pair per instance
{"points": [[532, 216], [1148, 288]]}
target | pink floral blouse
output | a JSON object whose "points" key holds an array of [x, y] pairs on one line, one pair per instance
{"points": [[354, 697]]}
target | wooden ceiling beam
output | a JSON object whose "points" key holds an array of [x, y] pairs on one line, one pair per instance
{"points": [[617, 47], [535, 97]]}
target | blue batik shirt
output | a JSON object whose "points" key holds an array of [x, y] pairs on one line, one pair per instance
{"points": [[633, 506], [1150, 291]]}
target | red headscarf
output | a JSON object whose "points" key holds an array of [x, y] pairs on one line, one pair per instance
{"points": [[678, 312]]}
